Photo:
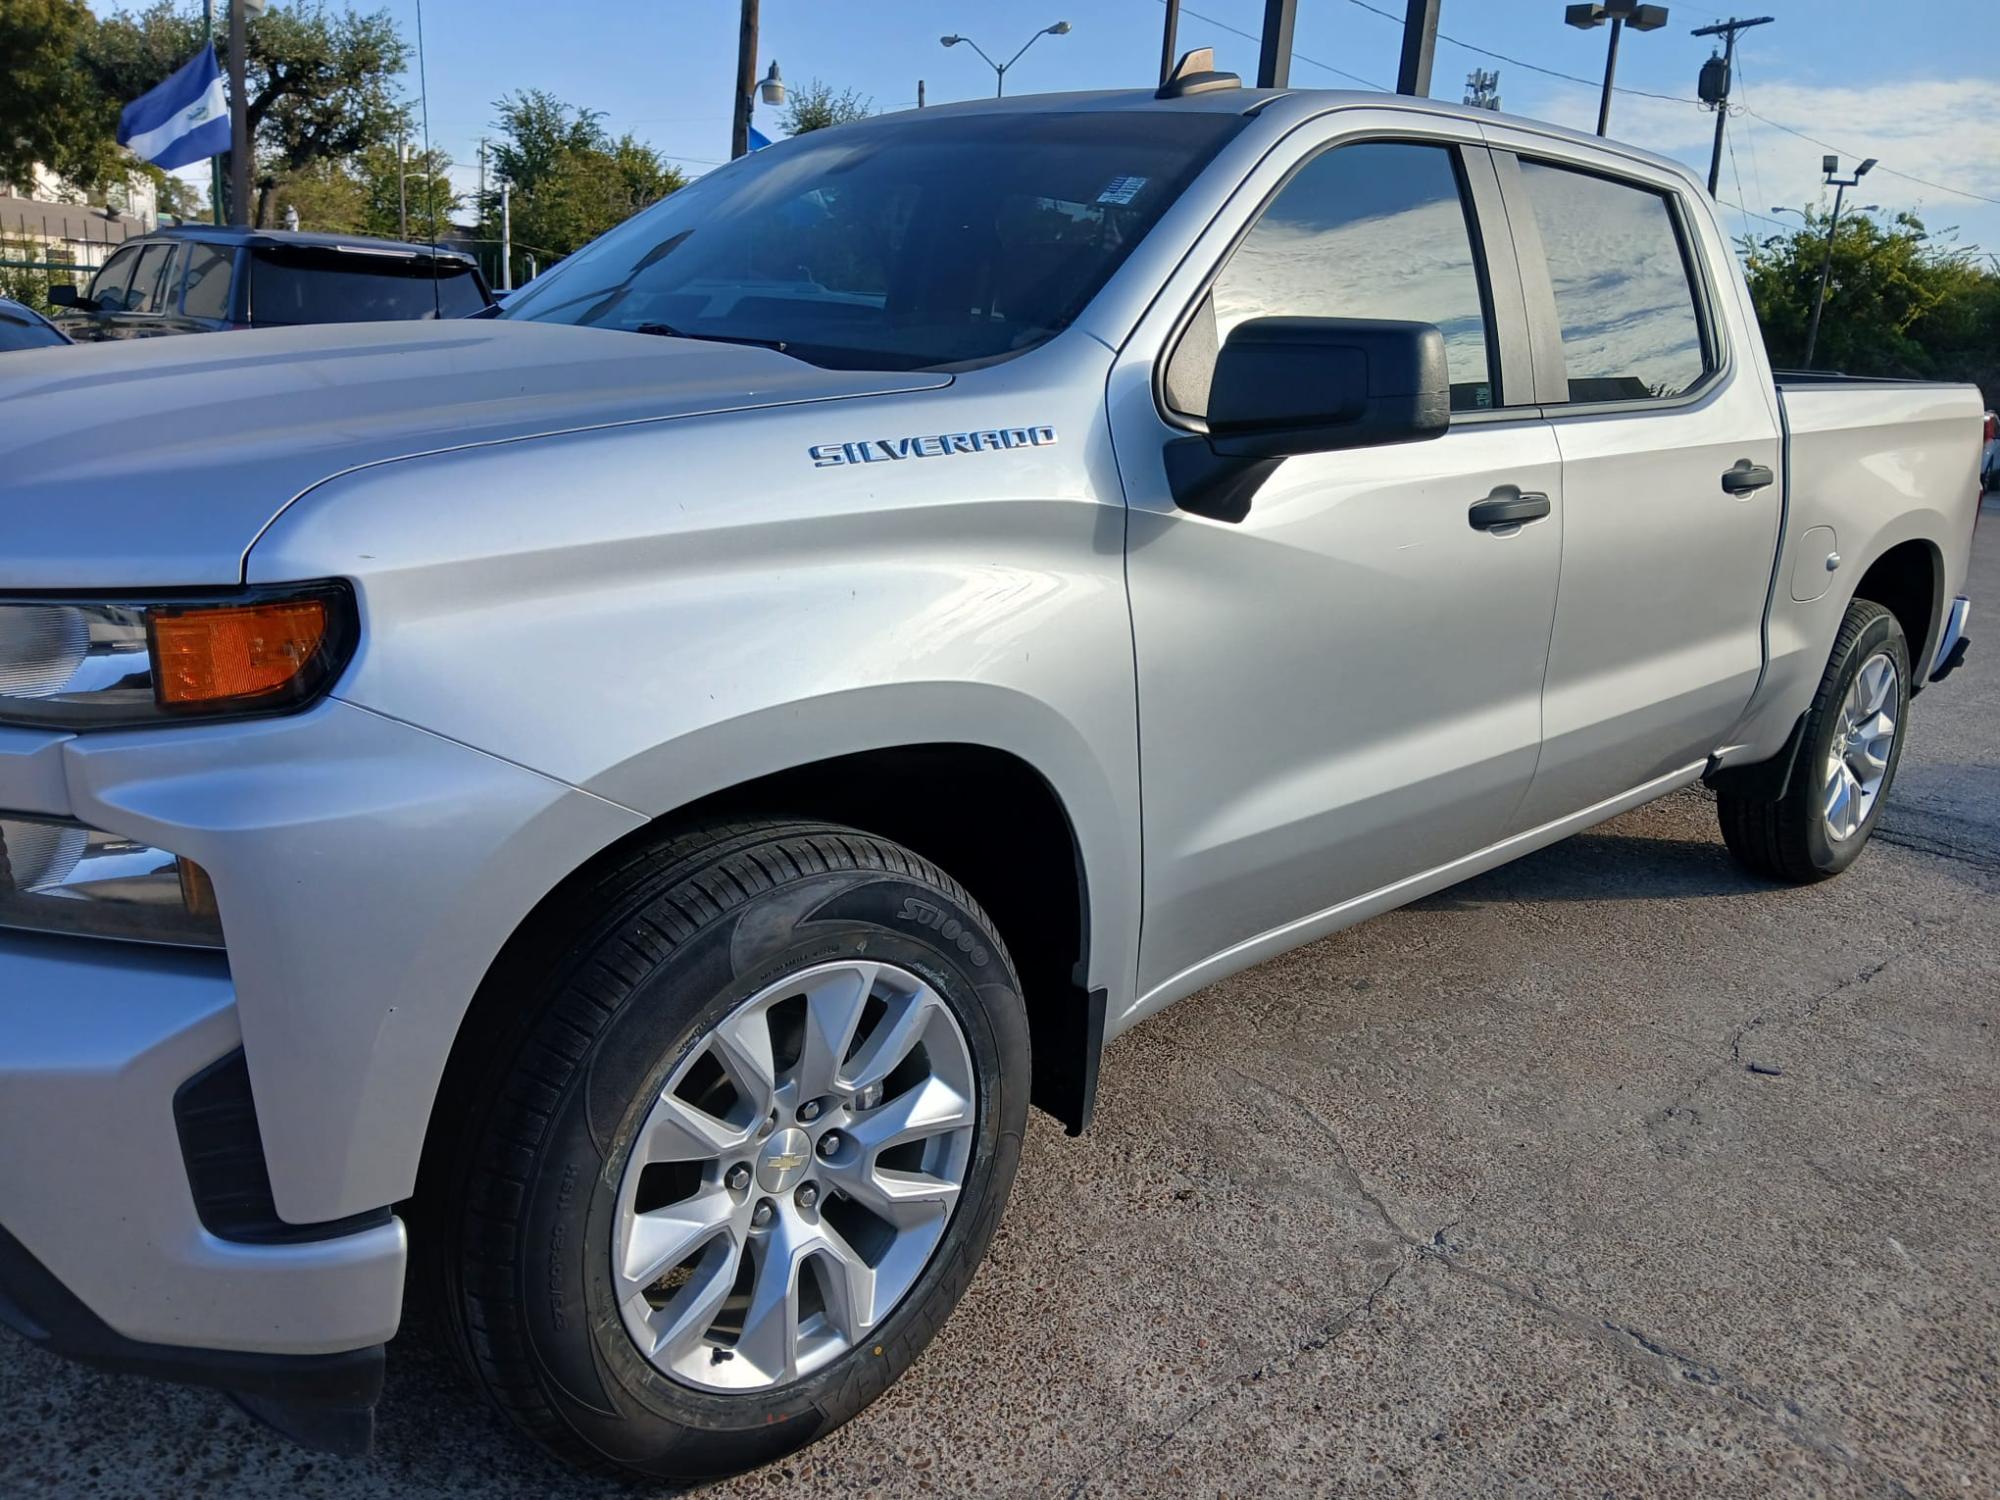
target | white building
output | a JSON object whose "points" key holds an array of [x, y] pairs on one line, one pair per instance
{"points": [[47, 219]]}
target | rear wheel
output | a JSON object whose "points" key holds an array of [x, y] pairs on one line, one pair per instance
{"points": [[1847, 759], [746, 1155]]}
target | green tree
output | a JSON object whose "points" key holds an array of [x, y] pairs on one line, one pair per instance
{"points": [[1899, 300], [570, 180], [51, 109], [817, 106], [317, 85]]}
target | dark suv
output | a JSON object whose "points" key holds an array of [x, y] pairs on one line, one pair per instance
{"points": [[200, 279]]}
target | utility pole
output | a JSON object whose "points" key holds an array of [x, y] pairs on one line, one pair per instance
{"points": [[920, 93], [402, 185], [214, 162], [1274, 56], [1420, 36], [1830, 165], [746, 80], [506, 235], [481, 199], [1170, 31], [239, 121], [1714, 88]]}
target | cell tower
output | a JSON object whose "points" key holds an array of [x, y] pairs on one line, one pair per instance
{"points": [[1482, 89]]}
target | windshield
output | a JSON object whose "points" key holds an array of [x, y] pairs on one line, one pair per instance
{"points": [[911, 245]]}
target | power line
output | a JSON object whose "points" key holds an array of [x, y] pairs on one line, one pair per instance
{"points": [[1590, 83], [1297, 56], [1880, 166]]}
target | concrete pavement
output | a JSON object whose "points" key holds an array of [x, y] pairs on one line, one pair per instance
{"points": [[1611, 1171]]}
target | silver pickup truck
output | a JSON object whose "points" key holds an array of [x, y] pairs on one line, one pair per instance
{"points": [[621, 807]]}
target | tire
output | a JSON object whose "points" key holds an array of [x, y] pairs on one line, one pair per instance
{"points": [[669, 979], [1794, 839]]}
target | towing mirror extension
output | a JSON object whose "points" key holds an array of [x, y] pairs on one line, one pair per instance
{"points": [[1289, 386]]}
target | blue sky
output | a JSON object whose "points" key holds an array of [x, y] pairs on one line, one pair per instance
{"points": [[1913, 83]]}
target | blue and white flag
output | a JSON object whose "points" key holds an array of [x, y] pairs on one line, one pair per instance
{"points": [[185, 119]]}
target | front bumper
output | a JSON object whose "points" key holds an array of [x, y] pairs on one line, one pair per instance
{"points": [[95, 1041]]}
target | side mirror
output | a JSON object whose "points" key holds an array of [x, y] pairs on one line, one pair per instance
{"points": [[1285, 386], [64, 295], [1288, 386]]}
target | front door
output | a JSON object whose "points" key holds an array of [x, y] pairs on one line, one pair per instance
{"points": [[1343, 689]]}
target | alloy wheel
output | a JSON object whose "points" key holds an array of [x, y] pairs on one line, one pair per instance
{"points": [[1864, 738], [791, 1181]]}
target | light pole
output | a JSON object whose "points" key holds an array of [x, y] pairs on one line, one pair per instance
{"points": [[1830, 165], [1061, 28], [1620, 13]]}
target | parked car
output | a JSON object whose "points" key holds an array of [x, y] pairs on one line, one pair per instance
{"points": [[197, 278], [21, 327], [1989, 457], [643, 791]]}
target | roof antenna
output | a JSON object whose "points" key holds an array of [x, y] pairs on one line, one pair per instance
{"points": [[1195, 74], [430, 175]]}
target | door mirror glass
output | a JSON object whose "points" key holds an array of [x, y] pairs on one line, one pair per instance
{"points": [[1286, 386]]}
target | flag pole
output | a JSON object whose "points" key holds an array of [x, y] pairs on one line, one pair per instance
{"points": [[214, 162]]}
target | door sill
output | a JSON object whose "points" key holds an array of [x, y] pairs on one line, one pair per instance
{"points": [[1355, 909]]}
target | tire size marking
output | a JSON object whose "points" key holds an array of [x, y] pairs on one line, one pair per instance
{"points": [[949, 928]]}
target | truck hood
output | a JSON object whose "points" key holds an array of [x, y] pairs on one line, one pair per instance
{"points": [[157, 462]]}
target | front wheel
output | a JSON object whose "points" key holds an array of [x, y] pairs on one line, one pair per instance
{"points": [[755, 1139], [1847, 759]]}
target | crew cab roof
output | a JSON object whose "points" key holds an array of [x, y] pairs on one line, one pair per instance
{"points": [[231, 234]]}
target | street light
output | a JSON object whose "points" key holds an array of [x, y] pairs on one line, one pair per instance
{"points": [[1830, 166], [1061, 28], [1620, 13], [772, 89]]}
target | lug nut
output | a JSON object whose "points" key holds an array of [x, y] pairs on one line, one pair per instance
{"points": [[808, 1194], [738, 1178], [809, 1111], [760, 1216], [830, 1143]]}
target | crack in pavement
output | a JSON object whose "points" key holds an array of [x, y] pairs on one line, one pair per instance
{"points": [[1683, 1102], [1673, 1368], [1278, 1364]]}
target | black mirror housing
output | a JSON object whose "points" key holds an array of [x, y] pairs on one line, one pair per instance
{"points": [[62, 294], [1289, 386]]}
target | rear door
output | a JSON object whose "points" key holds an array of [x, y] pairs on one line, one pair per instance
{"points": [[1342, 689], [1665, 432]]}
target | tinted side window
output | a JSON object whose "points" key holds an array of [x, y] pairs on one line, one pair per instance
{"points": [[1629, 328], [155, 285], [109, 286], [1375, 230], [207, 282]]}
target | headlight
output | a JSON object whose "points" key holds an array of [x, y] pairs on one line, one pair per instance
{"points": [[65, 878], [91, 664]]}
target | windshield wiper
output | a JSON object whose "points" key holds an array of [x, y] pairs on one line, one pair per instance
{"points": [[667, 330]]}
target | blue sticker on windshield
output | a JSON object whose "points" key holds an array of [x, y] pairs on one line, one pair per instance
{"points": [[1122, 190]]}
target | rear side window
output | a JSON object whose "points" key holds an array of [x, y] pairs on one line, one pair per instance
{"points": [[154, 285], [339, 286], [1373, 230], [207, 282], [1627, 308]]}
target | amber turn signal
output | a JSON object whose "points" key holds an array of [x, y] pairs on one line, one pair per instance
{"points": [[234, 653]]}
